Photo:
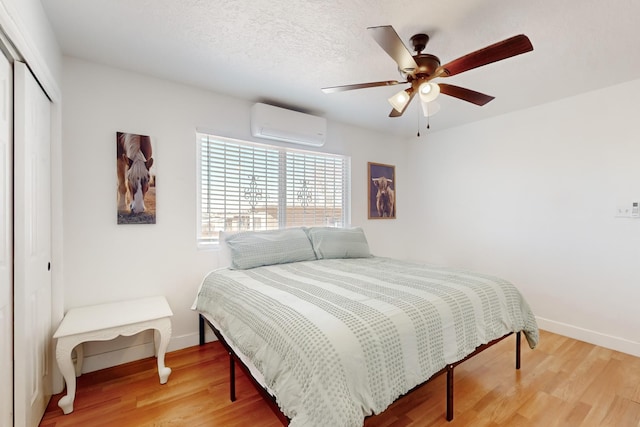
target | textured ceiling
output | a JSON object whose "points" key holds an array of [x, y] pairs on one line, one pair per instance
{"points": [[284, 51]]}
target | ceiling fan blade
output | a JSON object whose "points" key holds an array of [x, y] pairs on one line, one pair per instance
{"points": [[360, 86], [513, 46], [389, 40], [465, 94], [396, 113]]}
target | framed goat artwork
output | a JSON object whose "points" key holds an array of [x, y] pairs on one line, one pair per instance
{"points": [[382, 191], [136, 179]]}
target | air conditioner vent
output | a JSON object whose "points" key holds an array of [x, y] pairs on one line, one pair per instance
{"points": [[285, 125]]}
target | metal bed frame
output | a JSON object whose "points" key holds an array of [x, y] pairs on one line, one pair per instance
{"points": [[233, 359]]}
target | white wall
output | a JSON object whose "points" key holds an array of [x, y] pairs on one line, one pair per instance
{"points": [[531, 197], [106, 262]]}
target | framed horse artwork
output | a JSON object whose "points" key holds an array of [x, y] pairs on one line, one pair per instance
{"points": [[136, 175]]}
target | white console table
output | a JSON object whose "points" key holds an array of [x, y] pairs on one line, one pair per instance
{"points": [[105, 322]]}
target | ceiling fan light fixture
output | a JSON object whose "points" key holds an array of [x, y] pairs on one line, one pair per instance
{"points": [[420, 69], [428, 91], [400, 100], [429, 108]]}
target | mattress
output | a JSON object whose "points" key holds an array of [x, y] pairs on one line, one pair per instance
{"points": [[336, 340]]}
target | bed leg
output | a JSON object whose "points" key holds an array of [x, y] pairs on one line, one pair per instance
{"points": [[518, 349], [201, 328], [450, 392], [232, 378]]}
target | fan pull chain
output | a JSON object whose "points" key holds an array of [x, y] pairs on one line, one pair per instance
{"points": [[428, 115], [418, 135]]}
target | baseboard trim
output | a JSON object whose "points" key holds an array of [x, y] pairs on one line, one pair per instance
{"points": [[597, 338]]}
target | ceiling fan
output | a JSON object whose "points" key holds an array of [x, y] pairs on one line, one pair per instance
{"points": [[420, 69]]}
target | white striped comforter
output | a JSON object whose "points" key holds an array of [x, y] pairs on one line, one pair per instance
{"points": [[339, 339]]}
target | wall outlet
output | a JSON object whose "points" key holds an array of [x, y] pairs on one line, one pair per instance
{"points": [[623, 211], [632, 210]]}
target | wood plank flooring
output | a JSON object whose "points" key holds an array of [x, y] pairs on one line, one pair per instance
{"points": [[563, 382]]}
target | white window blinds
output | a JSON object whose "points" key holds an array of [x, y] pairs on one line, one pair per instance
{"points": [[246, 186]]}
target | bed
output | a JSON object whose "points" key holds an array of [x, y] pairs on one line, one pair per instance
{"points": [[332, 334]]}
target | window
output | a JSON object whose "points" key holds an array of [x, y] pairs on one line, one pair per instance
{"points": [[247, 186]]}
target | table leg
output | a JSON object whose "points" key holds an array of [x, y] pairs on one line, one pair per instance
{"points": [[65, 363], [79, 359], [156, 342], [164, 330]]}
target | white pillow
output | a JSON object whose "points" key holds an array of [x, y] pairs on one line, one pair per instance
{"points": [[256, 248], [224, 258], [331, 242]]}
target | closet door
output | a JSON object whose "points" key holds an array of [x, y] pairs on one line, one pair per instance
{"points": [[6, 243], [32, 248]]}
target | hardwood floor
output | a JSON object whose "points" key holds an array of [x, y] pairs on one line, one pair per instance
{"points": [[563, 382]]}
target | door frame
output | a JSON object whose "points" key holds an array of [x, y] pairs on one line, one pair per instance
{"points": [[6, 242]]}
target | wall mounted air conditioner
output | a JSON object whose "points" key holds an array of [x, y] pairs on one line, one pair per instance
{"points": [[285, 125]]}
